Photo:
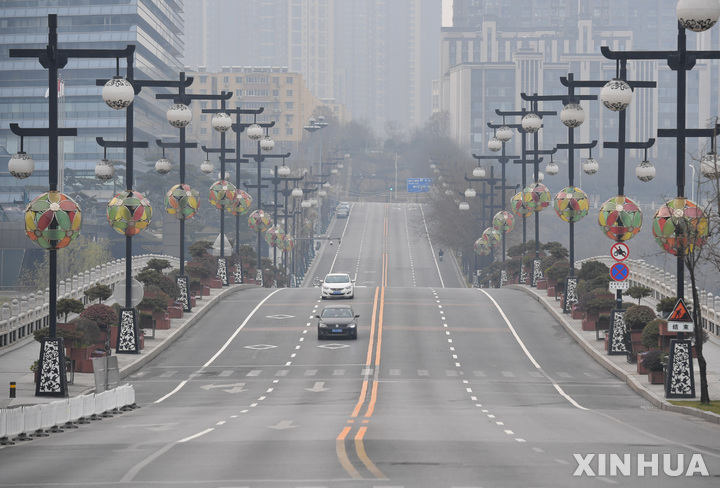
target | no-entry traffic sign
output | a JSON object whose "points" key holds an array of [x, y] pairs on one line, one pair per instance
{"points": [[619, 272]]}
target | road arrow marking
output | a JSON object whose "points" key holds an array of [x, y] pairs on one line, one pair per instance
{"points": [[234, 388], [319, 386], [285, 424]]}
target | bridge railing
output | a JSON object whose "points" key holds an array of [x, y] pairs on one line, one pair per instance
{"points": [[24, 315], [664, 284]]}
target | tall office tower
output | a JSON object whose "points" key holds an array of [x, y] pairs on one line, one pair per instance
{"points": [[223, 33], [386, 54], [492, 54], [376, 57], [153, 26]]}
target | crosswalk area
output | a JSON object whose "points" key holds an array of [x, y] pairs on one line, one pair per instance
{"points": [[360, 372]]}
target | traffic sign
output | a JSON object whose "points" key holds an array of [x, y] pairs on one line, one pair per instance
{"points": [[619, 251], [619, 285], [619, 272], [418, 185], [680, 319]]}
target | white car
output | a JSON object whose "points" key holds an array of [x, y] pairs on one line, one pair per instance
{"points": [[338, 285]]}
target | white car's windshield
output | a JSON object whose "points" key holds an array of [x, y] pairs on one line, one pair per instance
{"points": [[337, 279]]}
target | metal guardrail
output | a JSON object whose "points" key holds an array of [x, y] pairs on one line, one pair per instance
{"points": [[664, 284], [21, 317]]}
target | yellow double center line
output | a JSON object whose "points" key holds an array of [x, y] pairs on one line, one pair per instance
{"points": [[370, 383]]}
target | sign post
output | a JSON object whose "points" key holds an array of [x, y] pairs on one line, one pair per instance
{"points": [[619, 272], [679, 375]]}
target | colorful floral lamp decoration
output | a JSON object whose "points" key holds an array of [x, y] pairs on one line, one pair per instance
{"points": [[679, 226], [241, 204], [517, 205], [274, 236], [491, 237], [481, 247], [571, 204], [620, 218], [259, 221], [222, 194], [129, 213], [53, 220], [288, 243], [536, 197], [182, 201], [503, 222]]}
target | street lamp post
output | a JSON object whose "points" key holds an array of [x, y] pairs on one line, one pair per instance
{"points": [[312, 127], [51, 363], [281, 174], [532, 122], [503, 133], [238, 128], [179, 116], [255, 131], [680, 382]]}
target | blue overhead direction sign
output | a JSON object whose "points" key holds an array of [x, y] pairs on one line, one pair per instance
{"points": [[419, 185]]}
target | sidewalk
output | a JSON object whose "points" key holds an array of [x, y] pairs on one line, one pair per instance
{"points": [[627, 372], [15, 361]]}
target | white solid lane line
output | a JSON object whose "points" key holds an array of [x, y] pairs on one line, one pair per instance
{"points": [[224, 346], [530, 356]]}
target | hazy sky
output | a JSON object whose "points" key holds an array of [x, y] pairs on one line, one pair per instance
{"points": [[447, 13]]}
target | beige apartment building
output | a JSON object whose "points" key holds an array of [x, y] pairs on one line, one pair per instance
{"points": [[282, 94]]}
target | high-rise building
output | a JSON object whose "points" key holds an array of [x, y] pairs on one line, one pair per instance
{"points": [[155, 28], [376, 57], [493, 53]]}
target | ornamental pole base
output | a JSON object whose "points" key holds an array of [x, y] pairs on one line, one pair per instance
{"points": [[679, 376], [537, 272], [222, 271], [616, 333], [570, 295], [183, 283], [51, 367], [128, 333]]}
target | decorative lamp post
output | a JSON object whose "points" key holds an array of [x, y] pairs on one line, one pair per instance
{"points": [[179, 116], [696, 15], [60, 212], [256, 132]]}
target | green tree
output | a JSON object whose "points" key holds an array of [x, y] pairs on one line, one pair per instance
{"points": [[98, 292], [638, 292], [66, 306]]}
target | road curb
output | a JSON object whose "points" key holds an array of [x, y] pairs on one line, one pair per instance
{"points": [[636, 386]]}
